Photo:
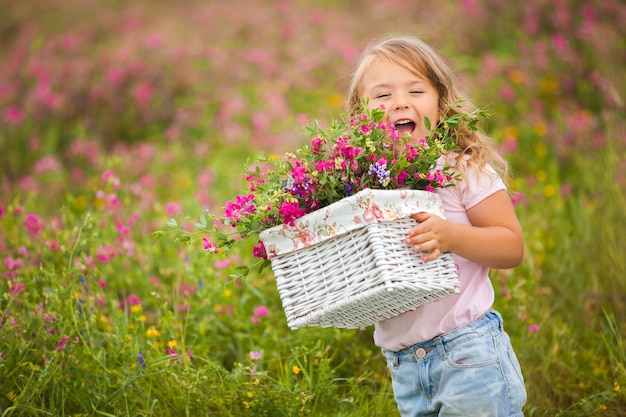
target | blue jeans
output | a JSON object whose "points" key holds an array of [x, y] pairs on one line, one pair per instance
{"points": [[471, 371]]}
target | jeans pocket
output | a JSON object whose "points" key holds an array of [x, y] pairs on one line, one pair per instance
{"points": [[475, 352]]}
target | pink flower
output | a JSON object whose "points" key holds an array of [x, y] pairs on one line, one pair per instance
{"points": [[32, 223], [259, 251], [208, 245], [106, 253], [13, 116], [16, 289], [173, 208], [221, 264], [255, 355], [261, 311], [533, 328], [142, 93], [62, 343], [290, 212], [13, 263]]}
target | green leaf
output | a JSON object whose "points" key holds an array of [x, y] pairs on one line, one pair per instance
{"points": [[172, 222]]}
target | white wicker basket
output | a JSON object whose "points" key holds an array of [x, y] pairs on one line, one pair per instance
{"points": [[361, 272]]}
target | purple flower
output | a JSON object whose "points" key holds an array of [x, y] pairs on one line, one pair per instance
{"points": [[141, 360]]}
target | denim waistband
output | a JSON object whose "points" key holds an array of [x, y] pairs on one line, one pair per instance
{"points": [[441, 344]]}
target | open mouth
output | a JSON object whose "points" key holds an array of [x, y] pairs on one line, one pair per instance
{"points": [[404, 127]]}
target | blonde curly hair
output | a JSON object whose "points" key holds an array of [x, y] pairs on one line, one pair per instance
{"points": [[476, 148]]}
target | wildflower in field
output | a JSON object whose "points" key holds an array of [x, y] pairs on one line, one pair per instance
{"points": [[13, 263], [295, 369], [255, 355], [84, 282], [16, 289], [32, 223], [533, 328], [261, 311], [221, 264], [152, 332], [13, 116], [141, 360], [616, 387], [173, 208], [106, 253], [209, 246], [131, 301], [62, 343]]}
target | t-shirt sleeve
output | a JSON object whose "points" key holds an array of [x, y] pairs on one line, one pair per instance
{"points": [[476, 186]]}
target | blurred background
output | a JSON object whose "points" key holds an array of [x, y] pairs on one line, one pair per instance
{"points": [[115, 116]]}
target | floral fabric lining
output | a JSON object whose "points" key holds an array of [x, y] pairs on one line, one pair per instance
{"points": [[351, 213]]}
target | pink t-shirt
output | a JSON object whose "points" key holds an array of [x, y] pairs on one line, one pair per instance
{"points": [[477, 293]]}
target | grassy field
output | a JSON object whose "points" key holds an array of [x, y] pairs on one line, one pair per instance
{"points": [[117, 116]]}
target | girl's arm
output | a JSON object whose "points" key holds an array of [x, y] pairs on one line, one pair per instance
{"points": [[494, 239]]}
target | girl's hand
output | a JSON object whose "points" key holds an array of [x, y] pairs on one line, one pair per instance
{"points": [[432, 236], [493, 238]]}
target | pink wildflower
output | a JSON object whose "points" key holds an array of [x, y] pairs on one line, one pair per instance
{"points": [[533, 328], [241, 207], [32, 223], [16, 289], [172, 208], [62, 343], [316, 143], [261, 311], [290, 212], [105, 253], [13, 263], [255, 355], [259, 251], [13, 116], [221, 264], [208, 245]]}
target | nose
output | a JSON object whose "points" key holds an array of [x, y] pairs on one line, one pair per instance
{"points": [[400, 103]]}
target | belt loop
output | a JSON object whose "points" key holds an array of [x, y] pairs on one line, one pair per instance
{"points": [[439, 345], [394, 359]]}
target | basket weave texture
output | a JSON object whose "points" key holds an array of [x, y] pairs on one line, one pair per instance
{"points": [[357, 272]]}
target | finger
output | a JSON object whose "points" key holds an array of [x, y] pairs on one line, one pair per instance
{"points": [[421, 216], [431, 256]]}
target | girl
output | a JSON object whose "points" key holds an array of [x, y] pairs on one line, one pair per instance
{"points": [[451, 357]]}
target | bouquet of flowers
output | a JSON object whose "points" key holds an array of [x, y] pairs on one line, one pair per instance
{"points": [[353, 154]]}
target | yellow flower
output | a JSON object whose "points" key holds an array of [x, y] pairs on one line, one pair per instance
{"points": [[135, 308], [142, 318], [617, 387], [541, 149], [172, 344], [295, 369], [549, 190], [152, 332], [228, 293], [335, 100], [250, 395]]}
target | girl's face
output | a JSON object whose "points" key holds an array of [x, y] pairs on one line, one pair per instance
{"points": [[406, 98]]}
